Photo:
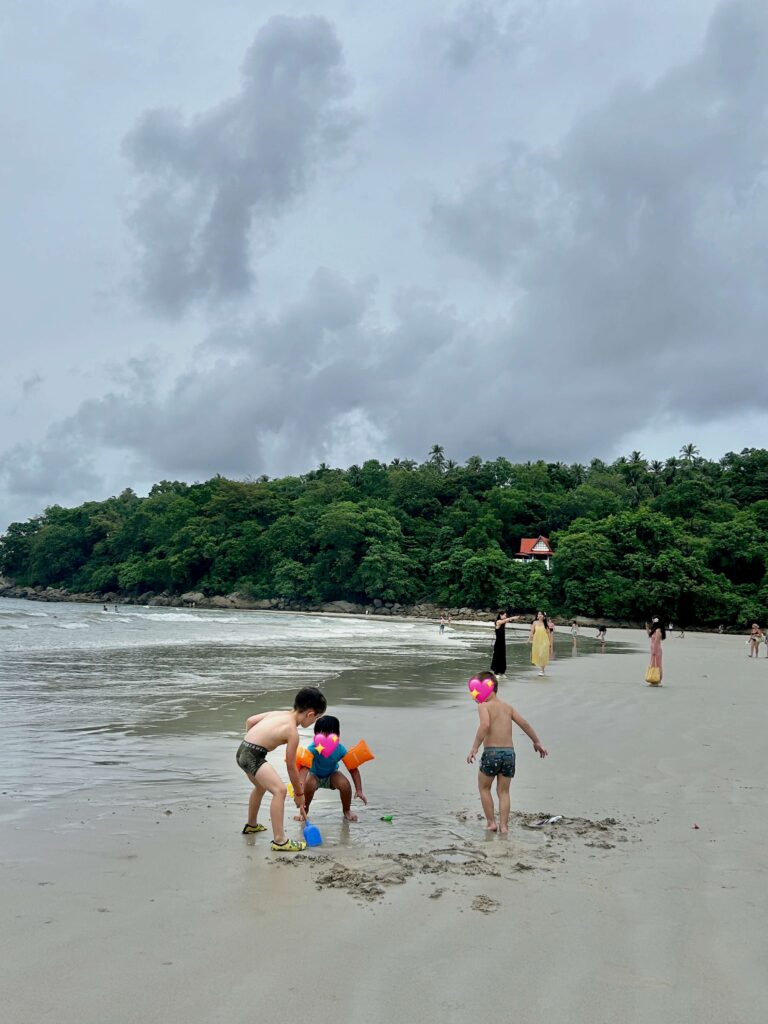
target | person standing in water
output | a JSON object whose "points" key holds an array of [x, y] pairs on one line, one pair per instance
{"points": [[499, 658], [540, 640]]}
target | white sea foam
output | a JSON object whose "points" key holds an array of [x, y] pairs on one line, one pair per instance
{"points": [[170, 617], [13, 612]]}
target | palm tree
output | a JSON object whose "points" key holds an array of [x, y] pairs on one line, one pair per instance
{"points": [[690, 452], [395, 464], [450, 464], [637, 459], [671, 468], [656, 468], [436, 456]]}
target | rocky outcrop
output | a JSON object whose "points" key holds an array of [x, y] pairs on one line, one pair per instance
{"points": [[345, 607]]}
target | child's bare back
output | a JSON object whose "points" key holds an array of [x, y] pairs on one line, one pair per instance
{"points": [[494, 734], [271, 729], [501, 716]]}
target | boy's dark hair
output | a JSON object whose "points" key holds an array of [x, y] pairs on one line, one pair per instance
{"points": [[489, 675], [309, 698], [328, 724]]}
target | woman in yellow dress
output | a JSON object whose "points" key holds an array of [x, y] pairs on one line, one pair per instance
{"points": [[540, 642]]}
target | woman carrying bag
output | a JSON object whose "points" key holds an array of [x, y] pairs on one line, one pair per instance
{"points": [[657, 633]]}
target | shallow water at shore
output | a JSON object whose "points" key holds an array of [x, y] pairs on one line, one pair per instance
{"points": [[146, 703]]}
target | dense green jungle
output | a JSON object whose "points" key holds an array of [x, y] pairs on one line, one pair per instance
{"points": [[685, 538]]}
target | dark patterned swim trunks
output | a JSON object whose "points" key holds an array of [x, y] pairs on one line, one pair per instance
{"points": [[250, 757], [498, 761]]}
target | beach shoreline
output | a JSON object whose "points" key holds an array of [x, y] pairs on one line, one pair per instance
{"points": [[646, 901], [237, 602]]}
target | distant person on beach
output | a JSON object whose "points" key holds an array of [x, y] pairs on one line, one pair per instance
{"points": [[574, 629], [498, 761], [442, 624], [326, 772], [657, 633], [551, 628], [265, 732], [721, 628], [601, 631], [499, 657], [755, 639], [540, 640]]}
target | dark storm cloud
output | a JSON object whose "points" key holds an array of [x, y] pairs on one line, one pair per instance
{"points": [[636, 247], [284, 378], [214, 184], [60, 465], [626, 268]]}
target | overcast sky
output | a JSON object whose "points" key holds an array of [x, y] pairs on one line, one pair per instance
{"points": [[250, 237]]}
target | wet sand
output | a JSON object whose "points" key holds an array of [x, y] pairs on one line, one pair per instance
{"points": [[621, 911]]}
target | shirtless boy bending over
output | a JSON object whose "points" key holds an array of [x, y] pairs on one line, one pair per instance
{"points": [[498, 760], [265, 732]]}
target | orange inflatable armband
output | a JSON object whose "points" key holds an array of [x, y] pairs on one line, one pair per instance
{"points": [[303, 758], [357, 755]]}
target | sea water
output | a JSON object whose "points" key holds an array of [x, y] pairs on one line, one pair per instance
{"points": [[147, 703]]}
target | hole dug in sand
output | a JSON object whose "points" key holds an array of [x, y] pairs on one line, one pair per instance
{"points": [[367, 876]]}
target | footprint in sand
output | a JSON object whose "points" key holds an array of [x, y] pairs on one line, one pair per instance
{"points": [[485, 904]]}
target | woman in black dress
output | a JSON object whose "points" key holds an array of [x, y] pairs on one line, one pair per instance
{"points": [[499, 659]]}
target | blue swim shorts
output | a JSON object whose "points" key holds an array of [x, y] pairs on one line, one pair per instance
{"points": [[498, 761]]}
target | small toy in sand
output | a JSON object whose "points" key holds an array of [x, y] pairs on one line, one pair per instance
{"points": [[312, 835], [480, 689]]}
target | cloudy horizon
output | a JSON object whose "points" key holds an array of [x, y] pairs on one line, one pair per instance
{"points": [[250, 244]]}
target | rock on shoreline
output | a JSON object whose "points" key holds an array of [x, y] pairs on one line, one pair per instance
{"points": [[235, 600]]}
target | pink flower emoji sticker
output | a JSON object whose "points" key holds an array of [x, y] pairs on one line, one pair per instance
{"points": [[480, 689]]}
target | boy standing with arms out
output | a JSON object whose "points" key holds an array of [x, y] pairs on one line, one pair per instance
{"points": [[265, 732], [498, 760]]}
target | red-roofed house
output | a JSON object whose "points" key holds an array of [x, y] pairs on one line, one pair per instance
{"points": [[534, 548]]}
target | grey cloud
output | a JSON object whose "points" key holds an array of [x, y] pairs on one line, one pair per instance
{"points": [[213, 185], [283, 378], [631, 258], [58, 466], [634, 249], [31, 384], [477, 30]]}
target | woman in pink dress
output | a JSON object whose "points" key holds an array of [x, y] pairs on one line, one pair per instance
{"points": [[755, 638], [657, 633]]}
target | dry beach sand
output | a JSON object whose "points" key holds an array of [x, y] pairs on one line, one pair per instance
{"points": [[622, 911]]}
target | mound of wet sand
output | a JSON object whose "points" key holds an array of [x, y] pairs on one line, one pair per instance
{"points": [[366, 877]]}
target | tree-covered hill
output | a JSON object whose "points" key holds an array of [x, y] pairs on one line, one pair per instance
{"points": [[686, 538]]}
